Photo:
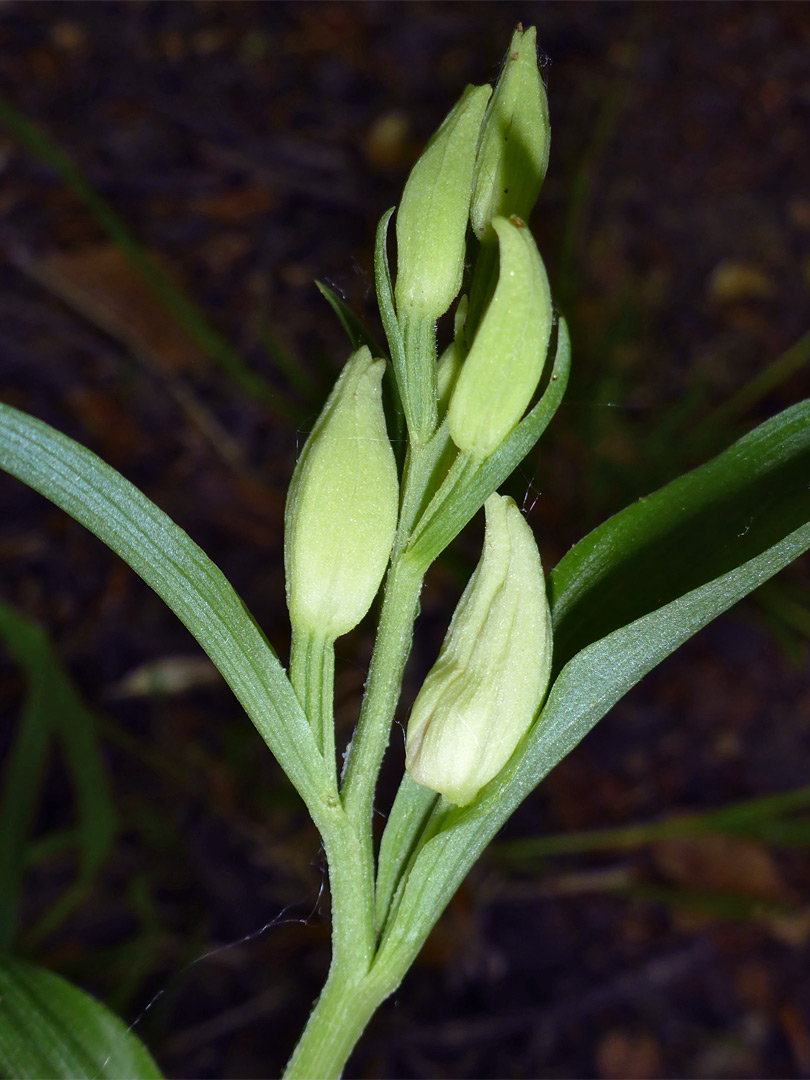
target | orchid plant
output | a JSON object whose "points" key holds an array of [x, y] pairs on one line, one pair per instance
{"points": [[529, 664]]}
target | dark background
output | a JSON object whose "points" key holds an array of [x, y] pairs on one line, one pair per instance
{"points": [[253, 147]]}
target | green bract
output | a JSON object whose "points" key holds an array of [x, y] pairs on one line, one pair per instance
{"points": [[341, 511], [483, 693], [506, 359], [432, 216], [513, 153]]}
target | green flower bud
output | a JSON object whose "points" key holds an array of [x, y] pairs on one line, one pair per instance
{"points": [[341, 512], [488, 683], [506, 358], [432, 217], [513, 152]]}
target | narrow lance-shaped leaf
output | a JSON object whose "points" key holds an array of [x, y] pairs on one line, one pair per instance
{"points": [[181, 574], [698, 527]]}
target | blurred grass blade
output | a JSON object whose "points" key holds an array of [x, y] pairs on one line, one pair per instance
{"points": [[22, 781], [761, 481], [53, 708], [49, 1028], [181, 574], [174, 299], [777, 373], [300, 381], [756, 819], [355, 328]]}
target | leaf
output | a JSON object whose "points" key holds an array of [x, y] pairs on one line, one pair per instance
{"points": [[49, 1028], [695, 529], [595, 678], [412, 807], [181, 574], [385, 301], [53, 708]]}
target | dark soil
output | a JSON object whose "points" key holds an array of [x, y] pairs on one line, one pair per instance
{"points": [[253, 147]]}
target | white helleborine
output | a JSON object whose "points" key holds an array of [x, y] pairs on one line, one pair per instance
{"points": [[486, 687], [341, 511]]}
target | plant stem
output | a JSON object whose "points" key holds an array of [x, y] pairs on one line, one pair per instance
{"points": [[419, 341], [350, 995], [393, 644], [334, 1026], [312, 673]]}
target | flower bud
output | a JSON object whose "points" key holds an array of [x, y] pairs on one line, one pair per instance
{"points": [[341, 512], [506, 358], [432, 217], [513, 152], [488, 683]]}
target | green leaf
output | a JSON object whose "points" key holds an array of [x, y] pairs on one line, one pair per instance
{"points": [[53, 708], [385, 301], [695, 529], [182, 575], [412, 807], [49, 1028], [594, 679]]}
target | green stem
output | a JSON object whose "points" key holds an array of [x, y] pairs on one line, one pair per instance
{"points": [[357, 984], [312, 673], [419, 344], [336, 1023], [392, 646], [350, 995]]}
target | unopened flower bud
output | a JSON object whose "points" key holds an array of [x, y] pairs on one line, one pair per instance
{"points": [[432, 217], [341, 511], [505, 361], [488, 683], [513, 152]]}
